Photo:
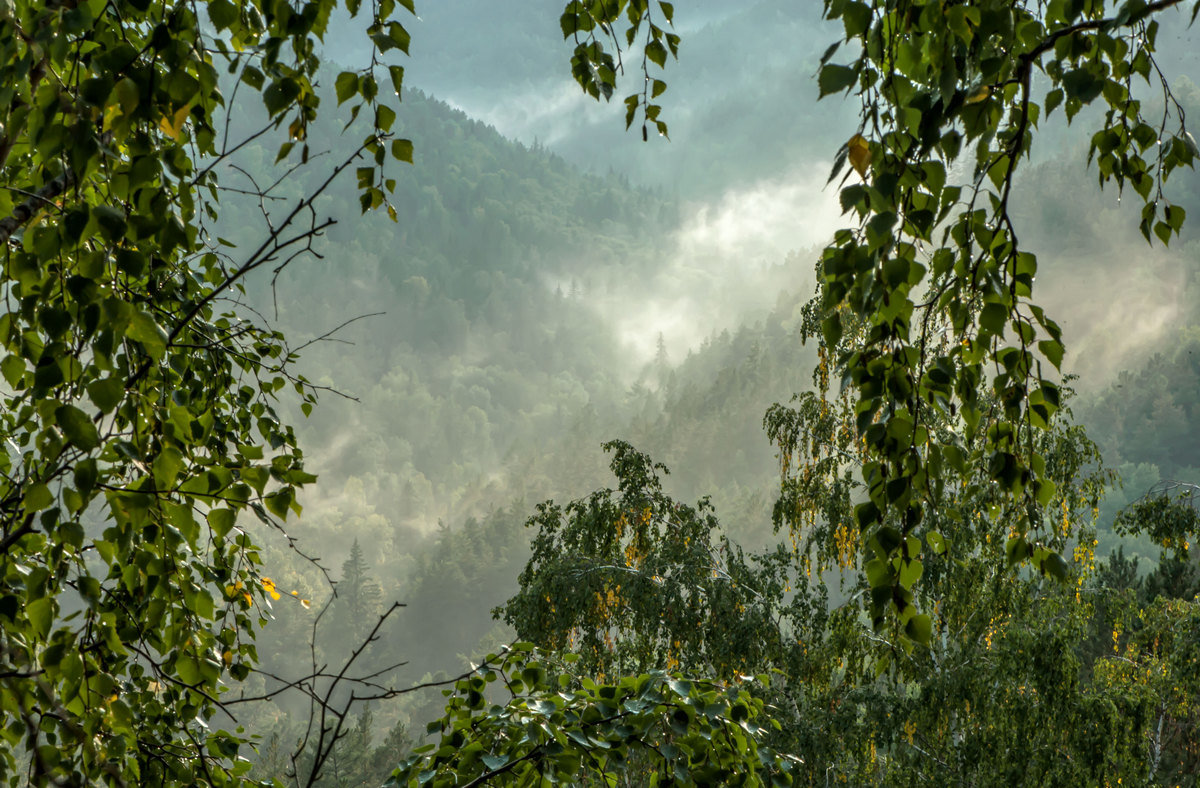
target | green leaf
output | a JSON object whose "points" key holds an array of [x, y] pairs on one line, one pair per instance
{"points": [[1175, 216], [1082, 84], [111, 221], [384, 117], [879, 228], [856, 17], [402, 150], [399, 36], [128, 95], [86, 474], [936, 542], [78, 428], [569, 22], [167, 465], [253, 77], [1053, 350], [280, 95], [867, 514], [188, 669], [910, 572], [37, 497], [1046, 492], [853, 196], [397, 75], [831, 329], [993, 317], [144, 330], [895, 271], [13, 368], [40, 613], [920, 628], [222, 13], [877, 572], [494, 762], [834, 79], [131, 262], [1163, 231], [221, 520], [106, 393], [278, 503], [1016, 549], [657, 53], [1055, 566], [346, 86]]}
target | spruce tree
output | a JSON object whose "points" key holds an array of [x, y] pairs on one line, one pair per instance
{"points": [[358, 595]]}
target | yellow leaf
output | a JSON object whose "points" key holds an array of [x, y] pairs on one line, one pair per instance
{"points": [[227, 657], [305, 603], [979, 95], [111, 112], [269, 585], [173, 125], [858, 151]]}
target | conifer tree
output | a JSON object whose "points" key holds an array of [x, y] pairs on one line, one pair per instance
{"points": [[358, 597]]}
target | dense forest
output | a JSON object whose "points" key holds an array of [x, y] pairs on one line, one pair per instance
{"points": [[698, 408], [524, 451]]}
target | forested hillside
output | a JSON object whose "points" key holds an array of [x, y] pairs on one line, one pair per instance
{"points": [[468, 439], [498, 369], [489, 374]]}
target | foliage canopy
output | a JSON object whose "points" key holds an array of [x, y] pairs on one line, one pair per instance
{"points": [[926, 308], [946, 458], [138, 417], [560, 725]]}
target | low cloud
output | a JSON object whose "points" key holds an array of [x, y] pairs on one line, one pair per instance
{"points": [[724, 263], [1115, 309]]}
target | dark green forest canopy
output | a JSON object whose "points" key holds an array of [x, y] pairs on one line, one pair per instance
{"points": [[955, 418], [146, 441], [141, 400], [850, 724], [927, 310], [139, 416]]}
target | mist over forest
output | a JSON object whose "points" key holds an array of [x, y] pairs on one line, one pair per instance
{"points": [[553, 283], [550, 283]]}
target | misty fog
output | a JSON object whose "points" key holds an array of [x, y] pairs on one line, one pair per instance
{"points": [[553, 282]]}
